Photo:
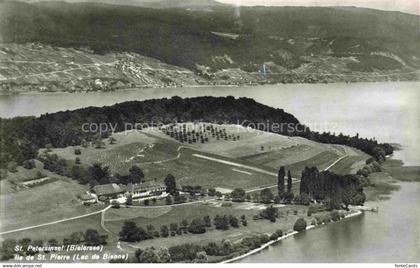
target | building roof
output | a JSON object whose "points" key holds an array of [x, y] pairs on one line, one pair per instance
{"points": [[145, 186], [106, 189], [86, 197]]}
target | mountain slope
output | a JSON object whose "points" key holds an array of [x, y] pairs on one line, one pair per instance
{"points": [[229, 44]]}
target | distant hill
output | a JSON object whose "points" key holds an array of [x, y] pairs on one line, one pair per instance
{"points": [[190, 4], [317, 43]]}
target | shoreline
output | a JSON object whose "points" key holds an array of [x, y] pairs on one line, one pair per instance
{"points": [[35, 92], [266, 245]]}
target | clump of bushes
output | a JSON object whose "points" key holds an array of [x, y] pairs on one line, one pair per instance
{"points": [[300, 225]]}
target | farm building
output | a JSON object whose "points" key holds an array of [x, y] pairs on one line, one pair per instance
{"points": [[145, 189], [111, 190], [88, 198], [119, 192]]}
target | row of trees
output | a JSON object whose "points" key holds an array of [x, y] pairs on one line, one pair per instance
{"points": [[130, 232], [199, 253], [335, 190], [284, 194]]}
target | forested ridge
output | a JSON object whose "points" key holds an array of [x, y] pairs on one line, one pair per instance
{"points": [[21, 137]]}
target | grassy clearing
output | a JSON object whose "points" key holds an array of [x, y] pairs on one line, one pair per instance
{"points": [[349, 165], [50, 202], [134, 212], [60, 230], [251, 142], [131, 148], [321, 161], [190, 170], [286, 156]]}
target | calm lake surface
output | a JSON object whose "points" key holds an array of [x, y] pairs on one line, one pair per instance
{"points": [[390, 112]]}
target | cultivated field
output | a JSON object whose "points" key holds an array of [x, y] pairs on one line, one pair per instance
{"points": [[45, 203]]}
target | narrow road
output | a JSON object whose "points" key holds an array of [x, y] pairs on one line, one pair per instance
{"points": [[335, 162]]}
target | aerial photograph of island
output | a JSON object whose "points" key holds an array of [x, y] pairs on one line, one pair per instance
{"points": [[209, 131]]}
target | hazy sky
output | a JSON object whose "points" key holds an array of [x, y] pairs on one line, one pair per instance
{"points": [[407, 6]]}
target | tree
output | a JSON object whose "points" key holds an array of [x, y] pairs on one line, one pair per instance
{"points": [[24, 243], [84, 143], [8, 249], [266, 196], [289, 182], [136, 175], [173, 227], [112, 140], [270, 213], [280, 181], [212, 249], [99, 173], [221, 223], [99, 143], [77, 151], [243, 220], [299, 225], [29, 164], [76, 237], [207, 221], [227, 247], [52, 242], [238, 195], [164, 231], [201, 257], [184, 225], [129, 200], [148, 256], [130, 232], [151, 232], [170, 183], [233, 221], [163, 255], [197, 226], [93, 238], [211, 192]]}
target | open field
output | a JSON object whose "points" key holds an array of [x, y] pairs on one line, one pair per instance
{"points": [[49, 202], [60, 230], [191, 170], [130, 148], [282, 157], [349, 165]]}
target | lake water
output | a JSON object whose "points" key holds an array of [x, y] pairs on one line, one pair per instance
{"points": [[388, 111], [391, 235]]}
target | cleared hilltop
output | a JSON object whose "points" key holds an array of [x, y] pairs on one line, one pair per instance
{"points": [[220, 45]]}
